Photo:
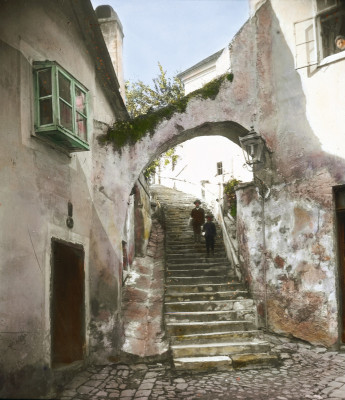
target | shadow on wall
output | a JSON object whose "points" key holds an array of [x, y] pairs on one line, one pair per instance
{"points": [[105, 280]]}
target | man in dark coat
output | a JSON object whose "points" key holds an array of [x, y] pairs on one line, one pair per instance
{"points": [[210, 234], [198, 216]]}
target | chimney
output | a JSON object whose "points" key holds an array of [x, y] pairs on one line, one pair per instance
{"points": [[111, 27], [254, 5]]}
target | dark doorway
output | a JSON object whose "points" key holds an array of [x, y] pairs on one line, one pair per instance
{"points": [[340, 207], [67, 306]]}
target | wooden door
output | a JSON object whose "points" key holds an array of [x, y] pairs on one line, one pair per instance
{"points": [[340, 209], [341, 247], [67, 303]]}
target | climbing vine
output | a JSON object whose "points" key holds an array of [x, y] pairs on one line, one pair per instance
{"points": [[229, 190], [135, 128]]}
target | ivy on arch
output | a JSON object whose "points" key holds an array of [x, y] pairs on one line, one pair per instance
{"points": [[130, 131]]}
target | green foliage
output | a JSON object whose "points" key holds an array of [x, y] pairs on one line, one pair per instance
{"points": [[148, 107], [142, 99], [229, 190], [151, 169], [169, 157]]}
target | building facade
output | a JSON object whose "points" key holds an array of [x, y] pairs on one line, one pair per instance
{"points": [[68, 217]]}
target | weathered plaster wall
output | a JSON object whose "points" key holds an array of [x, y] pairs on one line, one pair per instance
{"points": [[142, 216], [129, 233], [293, 238], [289, 262], [37, 181], [143, 294]]}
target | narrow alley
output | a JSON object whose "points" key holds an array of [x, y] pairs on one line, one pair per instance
{"points": [[104, 292]]}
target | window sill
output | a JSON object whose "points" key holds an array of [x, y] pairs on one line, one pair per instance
{"points": [[332, 58], [62, 138]]}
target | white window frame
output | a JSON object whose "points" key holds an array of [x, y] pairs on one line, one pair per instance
{"points": [[311, 49], [220, 170]]}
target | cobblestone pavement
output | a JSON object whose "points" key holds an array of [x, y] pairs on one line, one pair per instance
{"points": [[305, 372]]}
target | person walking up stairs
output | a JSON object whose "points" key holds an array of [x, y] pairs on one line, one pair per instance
{"points": [[209, 315]]}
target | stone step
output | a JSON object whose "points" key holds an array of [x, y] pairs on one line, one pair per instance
{"points": [[197, 280], [196, 250], [219, 337], [185, 230], [256, 360], [200, 316], [199, 266], [191, 247], [178, 244], [208, 264], [187, 243], [189, 236], [219, 349], [203, 363], [182, 225], [191, 259], [204, 288], [193, 328], [202, 263], [208, 296], [220, 271], [192, 253], [214, 305]]}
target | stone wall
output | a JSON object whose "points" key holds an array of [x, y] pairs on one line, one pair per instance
{"points": [[289, 262], [143, 294], [142, 218]]}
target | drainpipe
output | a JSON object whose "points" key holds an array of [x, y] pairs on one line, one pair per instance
{"points": [[265, 259]]}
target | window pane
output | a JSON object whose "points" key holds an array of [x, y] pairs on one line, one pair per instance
{"points": [[305, 43], [81, 127], [80, 100], [45, 83], [46, 112], [64, 88], [323, 4], [66, 116], [332, 25]]}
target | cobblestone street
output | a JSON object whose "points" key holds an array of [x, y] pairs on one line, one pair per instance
{"points": [[306, 372]]}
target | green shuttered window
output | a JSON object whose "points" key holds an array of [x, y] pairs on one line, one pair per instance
{"points": [[61, 107]]}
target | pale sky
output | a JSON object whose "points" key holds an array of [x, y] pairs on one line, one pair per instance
{"points": [[177, 33]]}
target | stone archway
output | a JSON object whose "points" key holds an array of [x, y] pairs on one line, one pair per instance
{"points": [[210, 119]]}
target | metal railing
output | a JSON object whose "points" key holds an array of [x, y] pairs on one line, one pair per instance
{"points": [[229, 242]]}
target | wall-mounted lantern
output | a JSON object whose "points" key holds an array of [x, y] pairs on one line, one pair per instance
{"points": [[252, 145]]}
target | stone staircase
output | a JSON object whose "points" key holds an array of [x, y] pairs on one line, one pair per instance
{"points": [[209, 316]]}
